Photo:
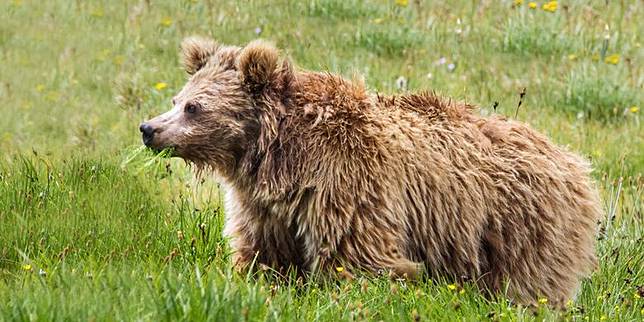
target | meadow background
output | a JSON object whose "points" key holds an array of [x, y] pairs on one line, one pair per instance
{"points": [[94, 228]]}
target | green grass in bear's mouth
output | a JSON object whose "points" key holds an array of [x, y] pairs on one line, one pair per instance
{"points": [[142, 158]]}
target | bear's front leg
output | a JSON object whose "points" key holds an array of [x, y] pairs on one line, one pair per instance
{"points": [[243, 253], [258, 241]]}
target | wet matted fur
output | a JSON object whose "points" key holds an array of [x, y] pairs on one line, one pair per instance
{"points": [[319, 172]]}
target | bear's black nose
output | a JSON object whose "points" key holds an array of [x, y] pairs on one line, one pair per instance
{"points": [[148, 133]]}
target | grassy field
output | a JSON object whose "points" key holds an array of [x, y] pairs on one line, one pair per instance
{"points": [[93, 229]]}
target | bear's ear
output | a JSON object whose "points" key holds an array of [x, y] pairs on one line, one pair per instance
{"points": [[257, 64], [196, 51]]}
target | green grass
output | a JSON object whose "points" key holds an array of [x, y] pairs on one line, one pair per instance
{"points": [[94, 228]]}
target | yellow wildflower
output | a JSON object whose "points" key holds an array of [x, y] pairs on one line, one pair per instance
{"points": [[518, 2], [166, 21], [543, 300], [402, 3], [161, 85], [594, 57], [612, 59], [118, 60], [40, 87], [532, 5], [462, 291], [27, 267], [550, 6], [340, 269], [603, 318], [634, 109], [97, 13], [451, 287], [572, 57], [17, 3], [377, 20]]}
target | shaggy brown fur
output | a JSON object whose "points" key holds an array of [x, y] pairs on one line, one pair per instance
{"points": [[318, 173]]}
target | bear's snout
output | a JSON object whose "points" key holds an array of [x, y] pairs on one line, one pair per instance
{"points": [[147, 131]]}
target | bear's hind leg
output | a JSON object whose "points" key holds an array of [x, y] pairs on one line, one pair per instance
{"points": [[384, 256], [406, 269]]}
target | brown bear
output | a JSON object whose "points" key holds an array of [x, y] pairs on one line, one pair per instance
{"points": [[320, 173]]}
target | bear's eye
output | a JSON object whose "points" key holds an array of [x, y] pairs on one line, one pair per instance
{"points": [[191, 108]]}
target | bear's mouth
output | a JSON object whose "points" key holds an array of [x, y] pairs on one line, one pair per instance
{"points": [[147, 141], [165, 152], [159, 145]]}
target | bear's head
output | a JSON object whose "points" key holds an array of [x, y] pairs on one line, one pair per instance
{"points": [[222, 113]]}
